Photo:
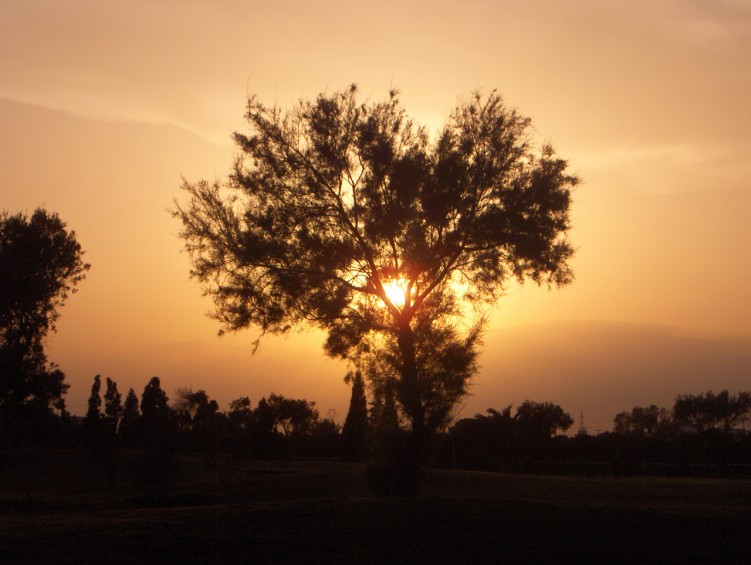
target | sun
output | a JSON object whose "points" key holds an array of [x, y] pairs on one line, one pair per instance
{"points": [[395, 291]]}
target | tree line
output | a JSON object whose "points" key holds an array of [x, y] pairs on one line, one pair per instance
{"points": [[193, 423], [701, 434]]}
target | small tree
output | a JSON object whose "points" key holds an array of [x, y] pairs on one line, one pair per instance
{"points": [[94, 409], [355, 430], [156, 418], [157, 435], [130, 419], [541, 419], [154, 402], [535, 423], [112, 405], [347, 216]]}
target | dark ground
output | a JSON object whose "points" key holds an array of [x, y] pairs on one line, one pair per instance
{"points": [[56, 506]]}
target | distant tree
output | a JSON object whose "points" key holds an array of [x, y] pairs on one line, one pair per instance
{"points": [[642, 420], [708, 411], [196, 406], [112, 405], [355, 431], [154, 402], [542, 419], [240, 424], [40, 265], [240, 411], [263, 433], [157, 435], [94, 410], [346, 216], [199, 419], [484, 442], [156, 424], [93, 424], [264, 419], [130, 419], [293, 417]]}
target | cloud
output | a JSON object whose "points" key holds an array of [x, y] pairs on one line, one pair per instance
{"points": [[665, 169]]}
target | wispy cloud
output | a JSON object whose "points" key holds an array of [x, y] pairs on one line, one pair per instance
{"points": [[672, 168]]}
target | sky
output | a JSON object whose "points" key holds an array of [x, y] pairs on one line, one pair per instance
{"points": [[106, 105]]}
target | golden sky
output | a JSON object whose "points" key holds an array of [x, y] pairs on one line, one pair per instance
{"points": [[104, 105]]}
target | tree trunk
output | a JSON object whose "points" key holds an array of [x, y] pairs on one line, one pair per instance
{"points": [[414, 449]]}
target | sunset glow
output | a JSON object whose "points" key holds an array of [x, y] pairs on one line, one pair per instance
{"points": [[105, 110], [396, 291]]}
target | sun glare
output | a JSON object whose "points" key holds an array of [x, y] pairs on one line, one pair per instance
{"points": [[395, 291]]}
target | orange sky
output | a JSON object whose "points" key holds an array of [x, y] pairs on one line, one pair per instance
{"points": [[105, 105]]}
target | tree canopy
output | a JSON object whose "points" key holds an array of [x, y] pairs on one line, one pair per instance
{"points": [[41, 263], [348, 216], [334, 199], [709, 411]]}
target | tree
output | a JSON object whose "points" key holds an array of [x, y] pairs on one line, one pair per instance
{"points": [[113, 407], [541, 419], [192, 408], [158, 441], [708, 411], [40, 265], [294, 417], [240, 411], [347, 216], [130, 419], [642, 420], [154, 403], [355, 430], [94, 409]]}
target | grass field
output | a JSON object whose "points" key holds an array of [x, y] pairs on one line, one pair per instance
{"points": [[56, 506]]}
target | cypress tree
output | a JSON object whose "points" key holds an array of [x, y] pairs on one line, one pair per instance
{"points": [[130, 418], [355, 431]]}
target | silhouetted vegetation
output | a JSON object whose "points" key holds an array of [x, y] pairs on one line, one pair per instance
{"points": [[40, 265], [647, 440], [347, 216], [682, 441], [355, 430]]}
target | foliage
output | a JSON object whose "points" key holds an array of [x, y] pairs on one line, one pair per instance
{"points": [[112, 404], [129, 423], [41, 264], [154, 402], [293, 417], [496, 439], [643, 420], [355, 430], [94, 410], [193, 408], [709, 411], [541, 419], [334, 202]]}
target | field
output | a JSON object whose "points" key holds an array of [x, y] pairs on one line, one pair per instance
{"points": [[57, 506]]}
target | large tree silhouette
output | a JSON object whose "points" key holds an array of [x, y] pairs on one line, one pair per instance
{"points": [[40, 265], [347, 216]]}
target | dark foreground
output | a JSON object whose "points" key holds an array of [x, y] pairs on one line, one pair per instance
{"points": [[58, 507]]}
